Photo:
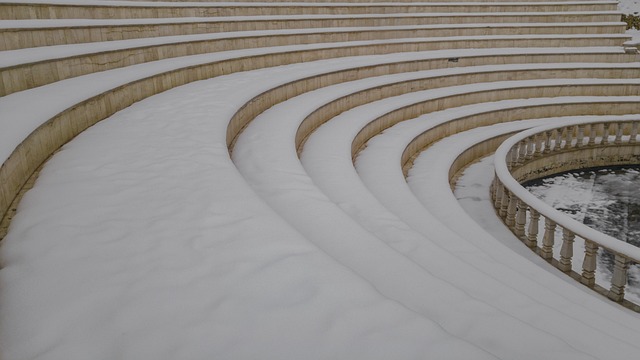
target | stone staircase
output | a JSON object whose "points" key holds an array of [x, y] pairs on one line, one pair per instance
{"points": [[428, 70]]}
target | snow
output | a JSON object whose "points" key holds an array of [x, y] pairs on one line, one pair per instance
{"points": [[472, 192], [47, 23], [629, 6], [20, 118], [635, 34], [199, 272], [143, 239], [203, 272], [265, 155], [37, 54]]}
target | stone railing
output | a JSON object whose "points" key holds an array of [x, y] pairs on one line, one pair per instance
{"points": [[547, 150]]}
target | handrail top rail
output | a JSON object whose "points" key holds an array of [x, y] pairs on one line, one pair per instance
{"points": [[579, 229]]}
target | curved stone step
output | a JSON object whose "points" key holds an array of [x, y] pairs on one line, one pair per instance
{"points": [[30, 68], [111, 93], [148, 209], [122, 9], [34, 33], [272, 152]]}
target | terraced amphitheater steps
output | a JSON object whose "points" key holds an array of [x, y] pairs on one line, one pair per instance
{"points": [[124, 9], [383, 32], [223, 106], [381, 156], [327, 157], [206, 209], [18, 34], [428, 186], [29, 68], [254, 237], [93, 91]]}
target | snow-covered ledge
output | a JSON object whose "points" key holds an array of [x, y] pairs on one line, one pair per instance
{"points": [[542, 150]]}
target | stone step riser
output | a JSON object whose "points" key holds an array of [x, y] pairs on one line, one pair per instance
{"points": [[11, 39], [18, 78], [52, 11]]}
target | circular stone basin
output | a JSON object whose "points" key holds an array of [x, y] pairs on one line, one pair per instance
{"points": [[605, 199]]}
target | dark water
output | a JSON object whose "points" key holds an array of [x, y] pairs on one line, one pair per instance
{"points": [[613, 205], [605, 199]]}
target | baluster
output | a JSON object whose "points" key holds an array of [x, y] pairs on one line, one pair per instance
{"points": [[592, 134], [532, 236], [569, 137], [580, 136], [504, 205], [539, 144], [618, 139], [548, 238], [511, 210], [512, 157], [566, 252], [558, 144], [521, 218], [530, 147], [619, 279], [497, 202], [547, 142], [605, 135], [589, 263], [634, 132], [492, 188], [522, 151]]}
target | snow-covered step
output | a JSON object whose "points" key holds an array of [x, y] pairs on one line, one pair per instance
{"points": [[410, 109], [161, 247], [379, 166], [27, 68], [383, 153], [16, 34], [327, 157], [237, 249], [53, 9], [155, 297], [330, 1], [414, 82], [382, 32], [83, 90], [265, 155], [360, 33], [253, 159], [274, 136], [94, 98]]}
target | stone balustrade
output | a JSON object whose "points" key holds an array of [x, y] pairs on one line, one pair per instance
{"points": [[543, 151]]}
